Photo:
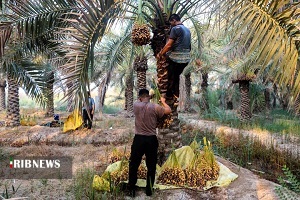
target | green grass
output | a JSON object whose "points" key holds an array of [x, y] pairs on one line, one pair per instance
{"points": [[277, 121], [111, 109], [82, 187]]}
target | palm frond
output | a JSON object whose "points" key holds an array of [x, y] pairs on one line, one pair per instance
{"points": [[5, 33], [35, 23], [31, 78], [116, 52], [88, 26], [269, 28]]}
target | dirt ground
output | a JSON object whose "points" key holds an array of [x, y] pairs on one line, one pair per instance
{"points": [[92, 149]]}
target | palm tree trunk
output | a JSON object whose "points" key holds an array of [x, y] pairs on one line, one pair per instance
{"points": [[267, 98], [13, 107], [297, 106], [70, 103], [169, 136], [126, 100], [49, 93], [204, 85], [274, 96], [129, 95], [140, 66], [188, 88], [141, 76], [185, 94], [182, 95], [245, 100], [2, 94]]}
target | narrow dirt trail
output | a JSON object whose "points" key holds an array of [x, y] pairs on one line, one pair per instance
{"points": [[281, 142]]}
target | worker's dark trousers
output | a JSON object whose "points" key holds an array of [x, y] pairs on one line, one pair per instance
{"points": [[143, 145], [174, 71], [86, 120]]}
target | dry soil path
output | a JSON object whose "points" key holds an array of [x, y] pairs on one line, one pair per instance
{"points": [[281, 142]]}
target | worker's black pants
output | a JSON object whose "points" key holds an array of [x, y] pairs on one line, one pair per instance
{"points": [[86, 120], [143, 145], [174, 71]]}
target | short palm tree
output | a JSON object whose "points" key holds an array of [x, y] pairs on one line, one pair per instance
{"points": [[29, 76]]}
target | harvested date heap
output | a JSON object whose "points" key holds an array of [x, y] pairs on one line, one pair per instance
{"points": [[195, 173], [188, 166]]}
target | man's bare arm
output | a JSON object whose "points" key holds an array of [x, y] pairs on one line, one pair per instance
{"points": [[166, 48], [166, 106]]}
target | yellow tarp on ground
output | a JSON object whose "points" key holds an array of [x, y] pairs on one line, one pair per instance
{"points": [[184, 156], [73, 121]]}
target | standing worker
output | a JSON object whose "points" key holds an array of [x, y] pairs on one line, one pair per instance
{"points": [[178, 50], [145, 140], [87, 121]]}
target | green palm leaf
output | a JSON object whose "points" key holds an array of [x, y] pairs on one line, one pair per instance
{"points": [[88, 26], [114, 53], [30, 77], [5, 32], [269, 28], [35, 23]]}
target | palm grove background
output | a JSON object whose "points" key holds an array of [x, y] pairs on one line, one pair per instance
{"points": [[244, 55]]}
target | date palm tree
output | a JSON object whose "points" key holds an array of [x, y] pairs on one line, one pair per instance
{"points": [[156, 14], [30, 29]]}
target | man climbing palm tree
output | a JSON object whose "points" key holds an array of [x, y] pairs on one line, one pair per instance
{"points": [[178, 50]]}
